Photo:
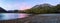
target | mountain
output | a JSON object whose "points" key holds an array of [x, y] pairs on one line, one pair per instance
{"points": [[9, 11], [45, 5], [2, 10], [12, 11]]}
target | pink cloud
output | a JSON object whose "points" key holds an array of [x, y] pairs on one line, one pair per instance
{"points": [[23, 6], [14, 6]]}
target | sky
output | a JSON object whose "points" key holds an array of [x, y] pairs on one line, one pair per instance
{"points": [[24, 4]]}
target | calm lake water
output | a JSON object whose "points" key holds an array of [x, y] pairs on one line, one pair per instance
{"points": [[8, 16], [40, 18]]}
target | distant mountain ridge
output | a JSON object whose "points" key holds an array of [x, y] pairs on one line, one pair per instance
{"points": [[42, 5], [10, 11]]}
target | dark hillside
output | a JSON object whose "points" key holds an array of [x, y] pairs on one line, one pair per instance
{"points": [[2, 10]]}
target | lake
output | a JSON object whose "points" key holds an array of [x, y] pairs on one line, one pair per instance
{"points": [[9, 16], [40, 18]]}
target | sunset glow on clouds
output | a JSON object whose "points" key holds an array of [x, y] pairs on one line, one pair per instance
{"points": [[19, 6], [24, 4], [15, 5]]}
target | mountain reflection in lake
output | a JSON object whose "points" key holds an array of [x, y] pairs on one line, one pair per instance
{"points": [[8, 16]]}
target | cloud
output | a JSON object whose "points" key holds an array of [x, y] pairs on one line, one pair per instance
{"points": [[23, 6], [18, 6], [15, 5]]}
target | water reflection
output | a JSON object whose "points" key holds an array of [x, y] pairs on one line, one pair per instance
{"points": [[23, 15], [8, 16]]}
